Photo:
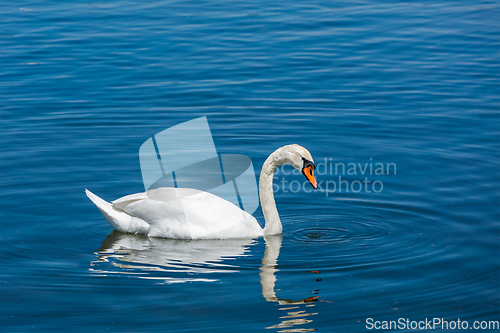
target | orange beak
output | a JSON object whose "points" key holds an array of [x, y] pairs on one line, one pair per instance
{"points": [[309, 173]]}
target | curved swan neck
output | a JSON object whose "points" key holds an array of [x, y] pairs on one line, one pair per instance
{"points": [[273, 223]]}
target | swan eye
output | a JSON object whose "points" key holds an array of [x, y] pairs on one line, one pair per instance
{"points": [[308, 163]]}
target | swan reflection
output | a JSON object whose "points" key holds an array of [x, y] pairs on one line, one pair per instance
{"points": [[296, 315], [170, 260], [150, 257]]}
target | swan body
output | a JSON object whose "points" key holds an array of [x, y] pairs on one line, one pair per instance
{"points": [[182, 213], [192, 215]]}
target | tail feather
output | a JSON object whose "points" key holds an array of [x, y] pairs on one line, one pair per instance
{"points": [[118, 219], [100, 203]]}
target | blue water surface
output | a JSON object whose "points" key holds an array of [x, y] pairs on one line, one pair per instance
{"points": [[414, 85]]}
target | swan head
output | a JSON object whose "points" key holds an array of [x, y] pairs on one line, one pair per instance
{"points": [[301, 159]]}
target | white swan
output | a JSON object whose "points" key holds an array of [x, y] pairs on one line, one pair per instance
{"points": [[193, 214]]}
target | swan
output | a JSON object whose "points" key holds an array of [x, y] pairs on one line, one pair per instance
{"points": [[183, 213]]}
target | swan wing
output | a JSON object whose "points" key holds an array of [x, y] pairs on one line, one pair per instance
{"points": [[189, 214], [131, 197], [210, 216]]}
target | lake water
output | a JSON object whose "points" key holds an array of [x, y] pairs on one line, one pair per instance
{"points": [[414, 86]]}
